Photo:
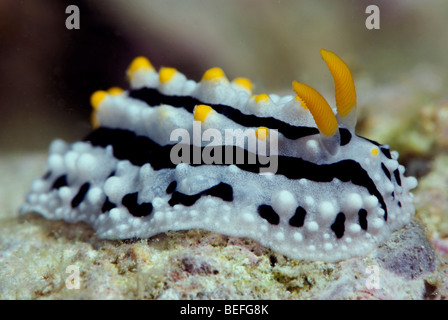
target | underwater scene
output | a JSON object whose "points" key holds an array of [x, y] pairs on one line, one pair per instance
{"points": [[223, 150]]}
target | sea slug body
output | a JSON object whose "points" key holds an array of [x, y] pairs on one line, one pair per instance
{"points": [[293, 176]]}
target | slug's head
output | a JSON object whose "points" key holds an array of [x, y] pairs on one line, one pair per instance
{"points": [[384, 175], [326, 121]]}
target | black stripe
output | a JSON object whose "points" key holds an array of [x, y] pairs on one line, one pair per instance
{"points": [[386, 152], [137, 149], [371, 141], [362, 215], [60, 182], [386, 171], [221, 190], [338, 226], [299, 218], [397, 176], [141, 150], [134, 208], [266, 212], [181, 198], [154, 98], [171, 187], [107, 205], [76, 201], [346, 136]]}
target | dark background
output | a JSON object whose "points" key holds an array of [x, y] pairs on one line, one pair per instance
{"points": [[47, 72]]}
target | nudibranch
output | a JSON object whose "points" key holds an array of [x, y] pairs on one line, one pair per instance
{"points": [[174, 154]]}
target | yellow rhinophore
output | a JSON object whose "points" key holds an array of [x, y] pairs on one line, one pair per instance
{"points": [[115, 91], [245, 83], [302, 103], [343, 83], [320, 109], [137, 64], [201, 111], [166, 74], [261, 133], [214, 74], [262, 98], [97, 97]]}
